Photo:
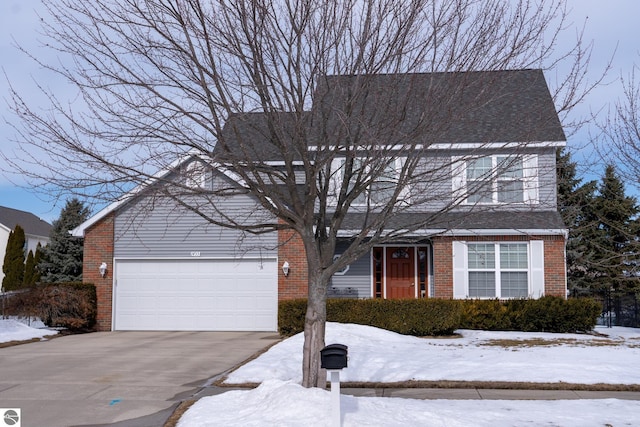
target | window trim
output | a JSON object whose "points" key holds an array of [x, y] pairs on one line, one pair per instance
{"points": [[529, 180], [535, 268], [337, 177], [498, 269]]}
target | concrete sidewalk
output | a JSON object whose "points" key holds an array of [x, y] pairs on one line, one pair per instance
{"points": [[462, 394], [489, 394]]}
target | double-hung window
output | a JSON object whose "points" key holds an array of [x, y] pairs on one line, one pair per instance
{"points": [[498, 270], [382, 183], [498, 179]]}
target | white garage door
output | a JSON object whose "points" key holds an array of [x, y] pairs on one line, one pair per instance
{"points": [[196, 295]]}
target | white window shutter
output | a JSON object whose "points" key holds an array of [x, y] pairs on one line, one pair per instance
{"points": [[335, 181], [536, 268], [530, 175], [460, 275], [458, 179], [405, 192]]}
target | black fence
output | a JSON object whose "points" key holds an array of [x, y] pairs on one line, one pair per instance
{"points": [[619, 309]]}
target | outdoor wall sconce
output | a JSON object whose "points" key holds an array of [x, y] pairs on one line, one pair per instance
{"points": [[285, 268], [103, 269]]}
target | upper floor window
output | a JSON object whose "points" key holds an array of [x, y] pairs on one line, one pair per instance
{"points": [[382, 184], [498, 179]]}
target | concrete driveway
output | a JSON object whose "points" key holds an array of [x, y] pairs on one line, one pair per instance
{"points": [[109, 377]]}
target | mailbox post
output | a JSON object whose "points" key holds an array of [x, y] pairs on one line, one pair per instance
{"points": [[333, 358]]}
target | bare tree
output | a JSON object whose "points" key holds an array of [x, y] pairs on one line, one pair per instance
{"points": [[154, 79], [620, 131]]}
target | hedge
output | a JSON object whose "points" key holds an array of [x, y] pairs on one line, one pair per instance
{"points": [[433, 317], [418, 317], [547, 314]]}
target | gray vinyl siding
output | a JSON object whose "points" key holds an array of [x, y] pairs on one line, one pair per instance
{"points": [[547, 180], [432, 189], [356, 283], [156, 228], [432, 192], [435, 194]]}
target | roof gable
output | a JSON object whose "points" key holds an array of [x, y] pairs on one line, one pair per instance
{"points": [[163, 175]]}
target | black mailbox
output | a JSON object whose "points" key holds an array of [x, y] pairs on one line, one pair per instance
{"points": [[333, 356]]}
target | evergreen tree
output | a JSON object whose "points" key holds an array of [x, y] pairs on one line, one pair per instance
{"points": [[37, 275], [13, 266], [62, 257], [575, 204], [616, 235], [31, 271]]}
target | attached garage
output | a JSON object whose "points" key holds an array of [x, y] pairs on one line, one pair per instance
{"points": [[195, 294]]}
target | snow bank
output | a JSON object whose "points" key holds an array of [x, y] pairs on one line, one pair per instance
{"points": [[14, 330]]}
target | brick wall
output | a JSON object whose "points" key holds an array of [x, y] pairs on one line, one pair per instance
{"points": [[554, 262], [555, 273], [98, 248], [443, 267], [291, 249]]}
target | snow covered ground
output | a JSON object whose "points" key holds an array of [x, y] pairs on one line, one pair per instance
{"points": [[20, 330], [377, 355], [381, 356]]}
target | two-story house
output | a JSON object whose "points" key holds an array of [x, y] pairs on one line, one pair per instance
{"points": [[477, 214]]}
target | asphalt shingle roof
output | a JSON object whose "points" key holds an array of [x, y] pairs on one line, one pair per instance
{"points": [[29, 222], [456, 107], [483, 220]]}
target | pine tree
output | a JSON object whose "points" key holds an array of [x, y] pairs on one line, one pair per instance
{"points": [[31, 271], [62, 257], [575, 204], [13, 266], [616, 234]]}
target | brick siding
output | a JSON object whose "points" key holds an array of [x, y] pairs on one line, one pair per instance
{"points": [[554, 262], [291, 249], [98, 248], [555, 273]]}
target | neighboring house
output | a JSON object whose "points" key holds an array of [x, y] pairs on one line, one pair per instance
{"points": [[169, 269], [35, 230]]}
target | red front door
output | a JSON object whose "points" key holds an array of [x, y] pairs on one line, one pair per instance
{"points": [[400, 272]]}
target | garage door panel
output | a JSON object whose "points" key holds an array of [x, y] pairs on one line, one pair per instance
{"points": [[196, 295]]}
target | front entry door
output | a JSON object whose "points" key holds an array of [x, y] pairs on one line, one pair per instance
{"points": [[400, 272]]}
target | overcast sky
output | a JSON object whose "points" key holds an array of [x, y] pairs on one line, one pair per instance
{"points": [[609, 24]]}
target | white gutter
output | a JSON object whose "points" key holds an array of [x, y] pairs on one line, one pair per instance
{"points": [[470, 232]]}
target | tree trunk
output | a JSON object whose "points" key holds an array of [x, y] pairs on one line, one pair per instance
{"points": [[314, 329]]}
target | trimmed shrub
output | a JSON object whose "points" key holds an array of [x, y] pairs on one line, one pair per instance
{"points": [[555, 314], [433, 317], [419, 317], [547, 314], [291, 316], [491, 315]]}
